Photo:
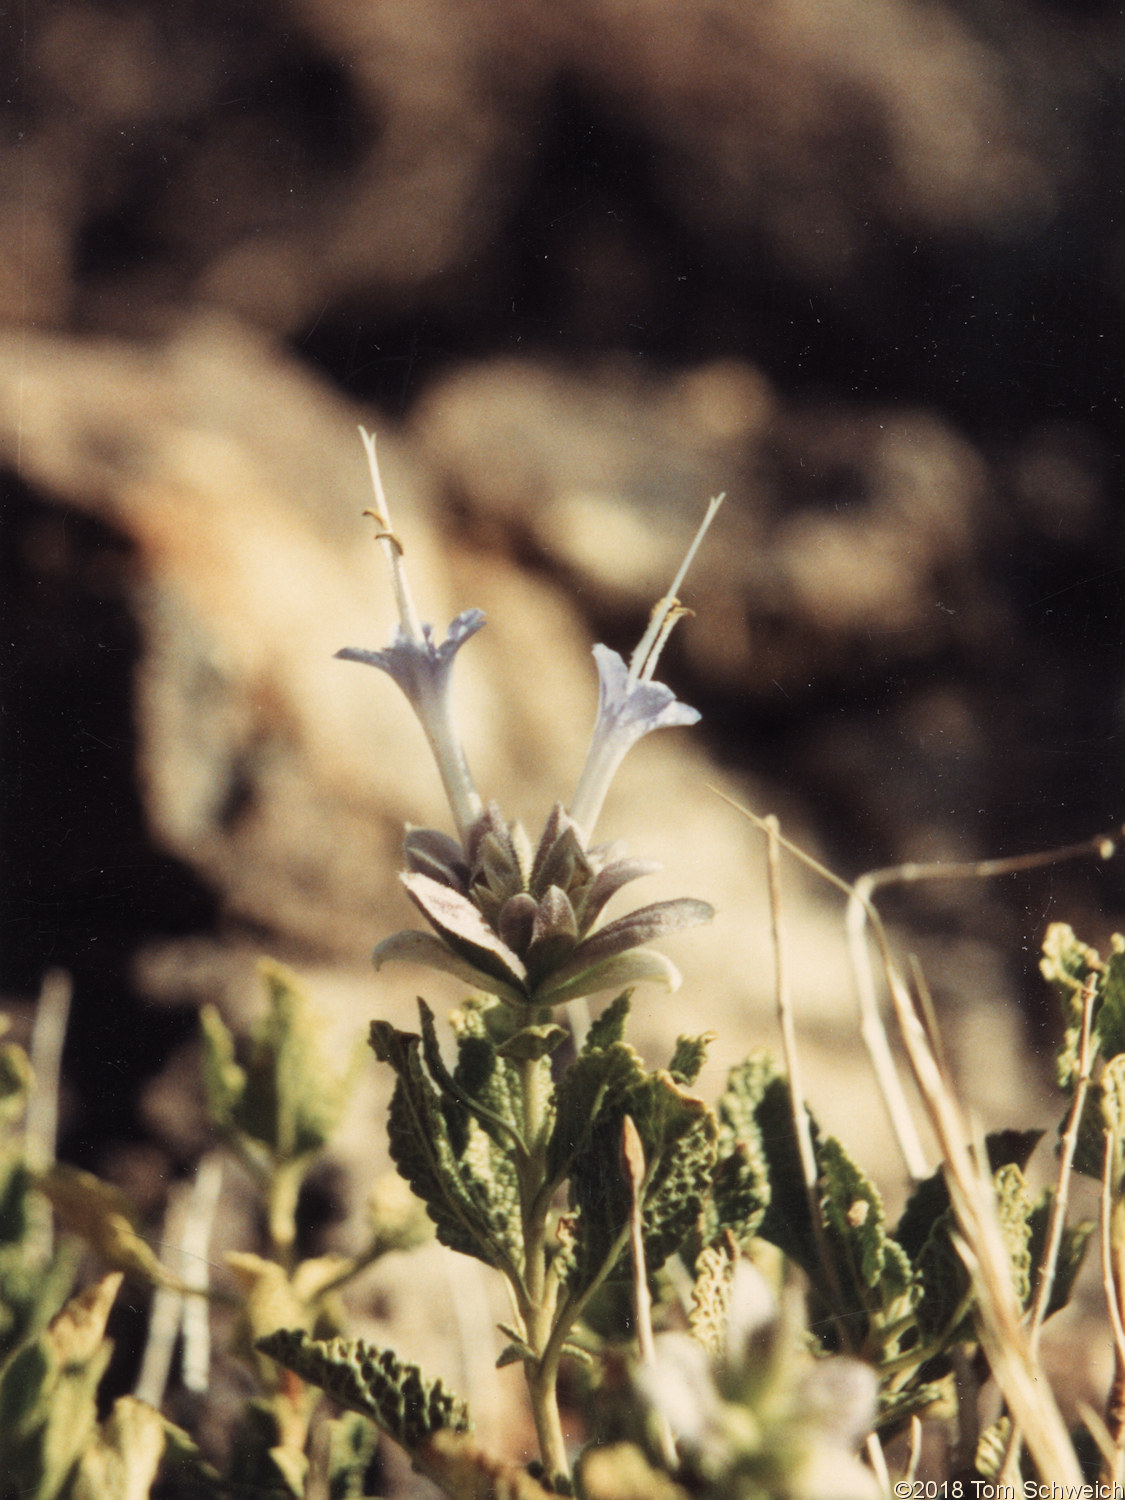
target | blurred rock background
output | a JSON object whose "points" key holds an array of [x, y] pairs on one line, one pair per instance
{"points": [[859, 265]]}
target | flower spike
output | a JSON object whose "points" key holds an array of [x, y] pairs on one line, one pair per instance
{"points": [[421, 668]]}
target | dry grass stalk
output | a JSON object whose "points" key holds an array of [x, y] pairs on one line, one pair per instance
{"points": [[980, 1242]]}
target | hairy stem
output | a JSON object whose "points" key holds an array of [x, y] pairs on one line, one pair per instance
{"points": [[539, 1301]]}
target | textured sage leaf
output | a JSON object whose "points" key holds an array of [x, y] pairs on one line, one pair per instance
{"points": [[395, 1395], [481, 1071], [598, 1077], [689, 1056], [711, 1294], [48, 1391], [942, 1279], [1067, 962], [421, 1148], [756, 1108], [411, 947], [1109, 1023], [461, 926], [533, 1042], [609, 1027], [224, 1082], [992, 1448], [930, 1197], [293, 1098], [489, 1173], [122, 1460], [875, 1267], [1104, 1115], [351, 1446], [102, 1215], [740, 1193], [677, 1133]]}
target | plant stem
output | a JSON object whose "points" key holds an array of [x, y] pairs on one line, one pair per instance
{"points": [[538, 1307]]}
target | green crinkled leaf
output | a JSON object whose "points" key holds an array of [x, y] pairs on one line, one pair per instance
{"points": [[287, 1098], [121, 1462], [677, 1133], [756, 1108], [896, 1407], [942, 1278], [395, 1395], [1072, 1249], [992, 1448], [930, 1198], [224, 1082], [689, 1057], [489, 1079], [15, 1080], [351, 1447], [610, 1025], [740, 1193], [533, 1042], [261, 1463], [493, 1101], [877, 1267], [1066, 964], [597, 1075], [48, 1390], [1013, 1209], [1109, 1021], [714, 1277], [456, 1195], [1102, 1114], [490, 1177]]}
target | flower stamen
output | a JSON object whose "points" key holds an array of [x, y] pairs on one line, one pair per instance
{"points": [[642, 663]]}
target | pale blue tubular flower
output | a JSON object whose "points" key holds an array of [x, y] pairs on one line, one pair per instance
{"points": [[630, 704], [423, 669]]}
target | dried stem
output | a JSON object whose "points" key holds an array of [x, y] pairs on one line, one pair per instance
{"points": [[633, 1158], [802, 1126], [874, 1033], [1009, 1472], [914, 1452], [1100, 846], [1066, 1161], [1113, 1249], [980, 1242]]}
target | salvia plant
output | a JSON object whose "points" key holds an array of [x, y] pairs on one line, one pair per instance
{"points": [[740, 1316]]}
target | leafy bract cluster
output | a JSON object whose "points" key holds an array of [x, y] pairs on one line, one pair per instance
{"points": [[516, 921]]}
